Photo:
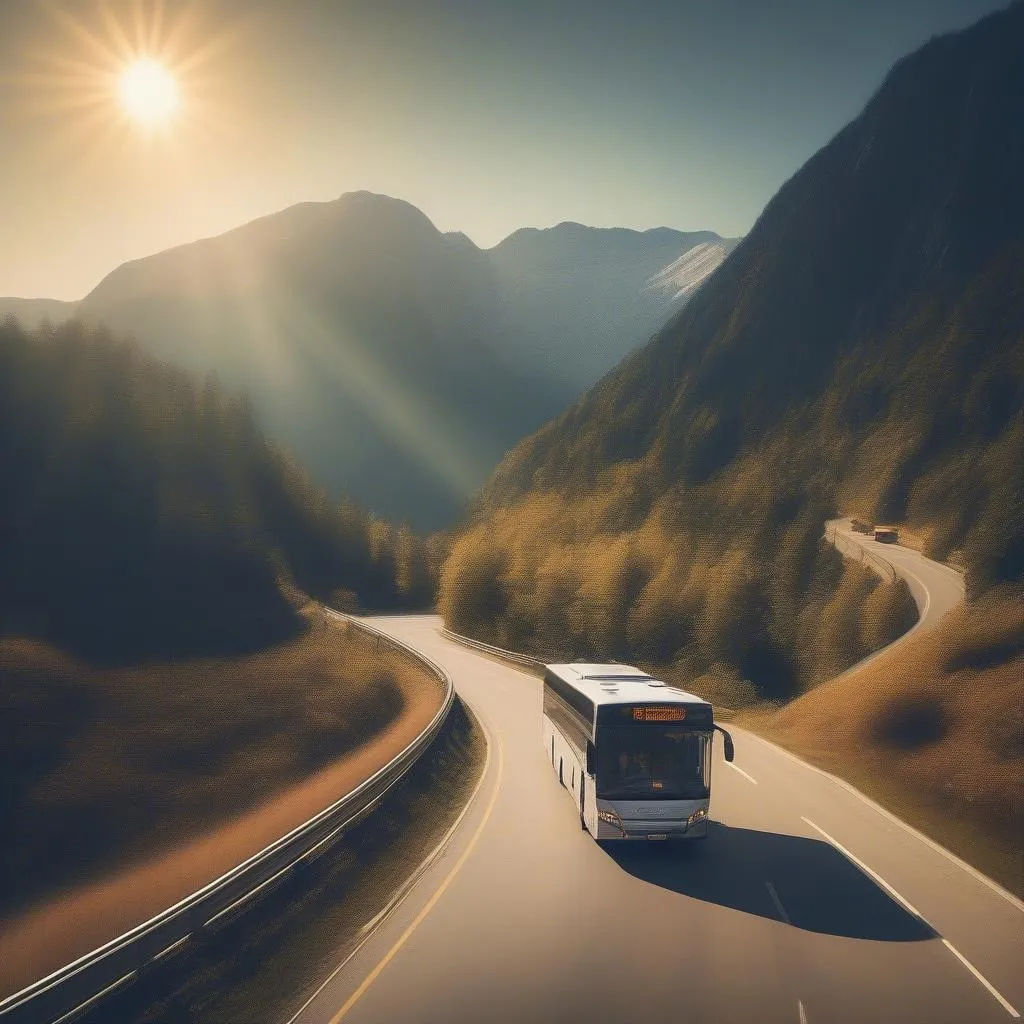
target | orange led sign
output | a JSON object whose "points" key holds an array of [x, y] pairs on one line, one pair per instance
{"points": [[655, 713]]}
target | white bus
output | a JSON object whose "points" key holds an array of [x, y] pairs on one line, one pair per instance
{"points": [[634, 753]]}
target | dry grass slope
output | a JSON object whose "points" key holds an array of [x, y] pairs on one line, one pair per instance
{"points": [[935, 731], [131, 761]]}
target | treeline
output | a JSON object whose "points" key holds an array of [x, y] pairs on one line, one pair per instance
{"points": [[735, 608], [144, 514]]}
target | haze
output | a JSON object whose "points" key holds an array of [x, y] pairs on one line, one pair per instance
{"points": [[488, 116]]}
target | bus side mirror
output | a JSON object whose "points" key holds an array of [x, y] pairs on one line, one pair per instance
{"points": [[730, 750], [591, 767]]}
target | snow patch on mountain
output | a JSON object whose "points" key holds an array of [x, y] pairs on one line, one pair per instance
{"points": [[683, 276]]}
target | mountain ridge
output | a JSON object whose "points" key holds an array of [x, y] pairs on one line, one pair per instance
{"points": [[397, 361], [34, 311]]}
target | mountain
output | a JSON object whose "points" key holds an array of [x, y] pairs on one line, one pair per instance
{"points": [[31, 312], [397, 362], [361, 334], [577, 299], [862, 350]]}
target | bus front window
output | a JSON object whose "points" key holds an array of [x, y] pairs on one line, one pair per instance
{"points": [[657, 762]]}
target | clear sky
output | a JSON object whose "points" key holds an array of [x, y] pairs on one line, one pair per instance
{"points": [[487, 114]]}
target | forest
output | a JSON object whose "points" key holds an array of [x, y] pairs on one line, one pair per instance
{"points": [[144, 514], [768, 614]]}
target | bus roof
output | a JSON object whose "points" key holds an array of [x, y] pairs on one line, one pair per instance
{"points": [[621, 684]]}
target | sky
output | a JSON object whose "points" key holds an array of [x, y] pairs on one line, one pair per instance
{"points": [[489, 115]]}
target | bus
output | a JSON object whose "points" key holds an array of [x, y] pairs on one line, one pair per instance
{"points": [[633, 753]]}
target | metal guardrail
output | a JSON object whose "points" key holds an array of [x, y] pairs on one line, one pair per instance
{"points": [[535, 664], [852, 549], [73, 989]]}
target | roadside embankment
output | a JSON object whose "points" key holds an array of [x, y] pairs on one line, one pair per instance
{"points": [[261, 966], [933, 729], [152, 781]]}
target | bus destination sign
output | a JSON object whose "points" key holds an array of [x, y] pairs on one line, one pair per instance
{"points": [[658, 713]]}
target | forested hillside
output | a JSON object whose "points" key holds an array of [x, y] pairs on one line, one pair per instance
{"points": [[145, 515], [861, 350]]}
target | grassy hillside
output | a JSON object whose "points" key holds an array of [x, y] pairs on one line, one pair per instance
{"points": [[863, 345], [935, 731], [132, 760]]}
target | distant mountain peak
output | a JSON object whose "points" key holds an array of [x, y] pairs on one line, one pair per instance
{"points": [[571, 235], [381, 207], [30, 312]]}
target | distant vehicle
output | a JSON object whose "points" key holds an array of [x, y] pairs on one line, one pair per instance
{"points": [[859, 526], [634, 753], [887, 534]]}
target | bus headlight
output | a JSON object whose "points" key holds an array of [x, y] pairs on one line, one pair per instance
{"points": [[698, 815], [611, 818]]}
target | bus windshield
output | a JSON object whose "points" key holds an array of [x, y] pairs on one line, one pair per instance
{"points": [[652, 763]]}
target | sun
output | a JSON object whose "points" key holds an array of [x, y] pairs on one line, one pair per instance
{"points": [[148, 92], [149, 77]]}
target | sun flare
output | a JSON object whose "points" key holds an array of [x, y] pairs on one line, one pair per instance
{"points": [[148, 92], [142, 76]]}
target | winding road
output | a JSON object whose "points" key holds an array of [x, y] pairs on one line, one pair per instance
{"points": [[936, 588], [807, 904]]}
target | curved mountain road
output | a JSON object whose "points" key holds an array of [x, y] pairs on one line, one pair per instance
{"points": [[936, 588], [808, 903]]}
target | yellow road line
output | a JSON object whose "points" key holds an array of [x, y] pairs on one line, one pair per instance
{"points": [[449, 878], [403, 891]]}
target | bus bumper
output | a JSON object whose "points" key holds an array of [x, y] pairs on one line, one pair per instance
{"points": [[651, 831]]}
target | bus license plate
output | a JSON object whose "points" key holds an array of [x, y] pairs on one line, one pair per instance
{"points": [[657, 835]]}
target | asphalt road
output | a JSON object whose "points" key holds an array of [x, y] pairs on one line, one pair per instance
{"points": [[936, 588], [807, 903]]}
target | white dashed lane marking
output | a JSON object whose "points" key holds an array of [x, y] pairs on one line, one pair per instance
{"points": [[913, 910], [737, 768]]}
